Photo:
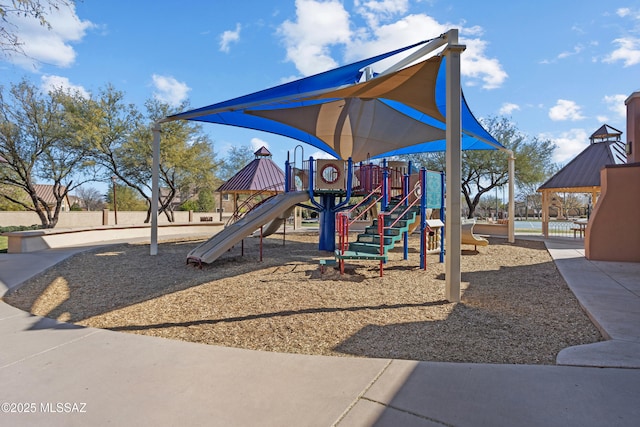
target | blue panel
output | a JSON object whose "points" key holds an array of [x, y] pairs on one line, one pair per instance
{"points": [[345, 75], [434, 190], [234, 112]]}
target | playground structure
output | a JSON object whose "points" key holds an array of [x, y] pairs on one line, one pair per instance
{"points": [[391, 196], [354, 112]]}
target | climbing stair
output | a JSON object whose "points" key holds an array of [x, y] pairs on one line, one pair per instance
{"points": [[397, 220]]}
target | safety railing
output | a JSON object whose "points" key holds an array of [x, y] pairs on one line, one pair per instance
{"points": [[344, 220], [253, 201]]}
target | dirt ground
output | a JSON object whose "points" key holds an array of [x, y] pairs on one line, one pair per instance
{"points": [[515, 307]]}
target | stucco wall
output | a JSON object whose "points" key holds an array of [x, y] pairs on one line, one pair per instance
{"points": [[613, 232], [95, 218]]}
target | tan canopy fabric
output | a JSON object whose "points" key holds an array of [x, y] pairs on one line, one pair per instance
{"points": [[358, 124], [355, 127], [414, 86]]}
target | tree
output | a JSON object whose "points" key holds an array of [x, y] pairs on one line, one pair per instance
{"points": [[38, 141], [127, 199], [484, 170], [10, 43], [14, 193], [120, 139], [206, 201], [187, 163], [90, 198], [237, 158]]}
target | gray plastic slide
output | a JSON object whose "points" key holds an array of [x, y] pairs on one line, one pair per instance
{"points": [[273, 211]]}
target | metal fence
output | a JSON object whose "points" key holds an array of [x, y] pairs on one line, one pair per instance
{"points": [[556, 228]]}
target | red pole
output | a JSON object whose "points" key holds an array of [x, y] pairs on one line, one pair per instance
{"points": [[425, 246], [260, 243], [381, 233]]}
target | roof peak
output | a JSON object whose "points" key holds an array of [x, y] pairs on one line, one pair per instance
{"points": [[605, 133], [262, 152]]}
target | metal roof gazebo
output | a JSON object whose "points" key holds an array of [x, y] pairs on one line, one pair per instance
{"points": [[260, 176], [582, 174]]}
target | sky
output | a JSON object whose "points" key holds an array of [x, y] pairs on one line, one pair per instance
{"points": [[557, 69]]}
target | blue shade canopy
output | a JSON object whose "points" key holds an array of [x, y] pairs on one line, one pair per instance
{"points": [[402, 112]]}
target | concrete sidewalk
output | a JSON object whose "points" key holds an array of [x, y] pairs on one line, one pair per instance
{"points": [[66, 375]]}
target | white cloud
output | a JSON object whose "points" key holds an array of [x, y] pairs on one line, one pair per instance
{"points": [[169, 90], [565, 110], [51, 83], [376, 40], [375, 11], [616, 104], [257, 143], [623, 11], [568, 145], [320, 26], [322, 155], [576, 50], [628, 46], [508, 108], [43, 45], [628, 51], [476, 66], [229, 37]]}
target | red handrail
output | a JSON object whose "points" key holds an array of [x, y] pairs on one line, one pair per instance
{"points": [[343, 220]]}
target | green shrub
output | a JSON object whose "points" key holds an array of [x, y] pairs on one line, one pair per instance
{"points": [[20, 228]]}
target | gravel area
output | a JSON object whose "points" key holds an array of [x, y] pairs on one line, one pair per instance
{"points": [[515, 307]]}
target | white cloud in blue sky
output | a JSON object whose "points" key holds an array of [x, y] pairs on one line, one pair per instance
{"points": [[319, 25], [508, 108], [553, 73], [169, 90], [228, 37], [615, 103], [257, 143], [565, 110], [569, 144], [627, 51], [52, 83], [627, 48], [43, 45]]}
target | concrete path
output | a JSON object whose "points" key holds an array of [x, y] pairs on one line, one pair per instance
{"points": [[57, 374]]}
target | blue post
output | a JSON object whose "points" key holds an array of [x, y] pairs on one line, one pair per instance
{"points": [[405, 191], [311, 180], [385, 186], [327, 223], [442, 214], [423, 217], [287, 173]]}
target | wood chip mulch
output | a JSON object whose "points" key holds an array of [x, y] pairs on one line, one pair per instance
{"points": [[515, 307]]}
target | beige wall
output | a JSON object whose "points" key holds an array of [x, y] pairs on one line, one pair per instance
{"points": [[613, 232], [633, 127], [91, 219]]}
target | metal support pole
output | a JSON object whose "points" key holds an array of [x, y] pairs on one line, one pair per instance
{"points": [[260, 243], [115, 201], [512, 203], [423, 218], [155, 189], [454, 173], [442, 215]]}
